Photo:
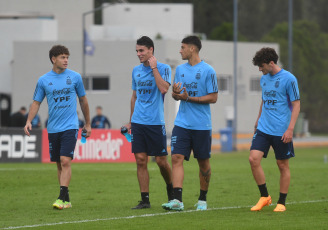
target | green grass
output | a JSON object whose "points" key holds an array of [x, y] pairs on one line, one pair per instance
{"points": [[106, 192]]}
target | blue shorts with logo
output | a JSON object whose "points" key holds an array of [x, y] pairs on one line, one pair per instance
{"points": [[262, 142], [150, 139], [184, 140], [62, 144]]}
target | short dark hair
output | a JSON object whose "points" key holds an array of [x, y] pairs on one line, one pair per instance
{"points": [[193, 40], [265, 56], [146, 41], [57, 50], [99, 107], [23, 108]]}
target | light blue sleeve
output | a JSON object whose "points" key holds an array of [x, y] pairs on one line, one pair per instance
{"points": [[261, 83], [176, 76], [211, 81], [80, 91], [166, 74], [292, 89], [39, 92], [134, 86]]}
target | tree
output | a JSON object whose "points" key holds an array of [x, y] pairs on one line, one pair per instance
{"points": [[310, 52], [225, 33]]}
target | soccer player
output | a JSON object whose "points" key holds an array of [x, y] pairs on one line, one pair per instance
{"points": [[60, 86], [150, 82], [195, 86], [274, 126]]}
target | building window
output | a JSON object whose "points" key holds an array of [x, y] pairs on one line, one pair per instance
{"points": [[96, 83], [255, 85], [224, 83]]}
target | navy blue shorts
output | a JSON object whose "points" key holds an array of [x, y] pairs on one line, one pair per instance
{"points": [[184, 140], [62, 144], [262, 142], [150, 139]]}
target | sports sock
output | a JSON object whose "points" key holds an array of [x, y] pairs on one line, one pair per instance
{"points": [[178, 194], [145, 197], [169, 190], [67, 196], [63, 192], [282, 198], [202, 195], [263, 190]]}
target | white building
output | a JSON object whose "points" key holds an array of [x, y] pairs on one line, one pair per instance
{"points": [[130, 21], [37, 20]]}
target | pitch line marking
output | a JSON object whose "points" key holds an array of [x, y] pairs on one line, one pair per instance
{"points": [[147, 215]]}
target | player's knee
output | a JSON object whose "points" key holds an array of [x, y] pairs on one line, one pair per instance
{"points": [[253, 161], [283, 166], [65, 163], [141, 161], [161, 162], [177, 159]]}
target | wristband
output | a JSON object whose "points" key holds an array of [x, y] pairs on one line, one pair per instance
{"points": [[187, 99], [154, 68]]}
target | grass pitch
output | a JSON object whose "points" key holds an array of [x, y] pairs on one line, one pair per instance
{"points": [[102, 195]]}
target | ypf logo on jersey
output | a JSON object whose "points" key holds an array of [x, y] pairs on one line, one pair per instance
{"points": [[17, 147]]}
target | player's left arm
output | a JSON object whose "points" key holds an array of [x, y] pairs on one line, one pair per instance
{"points": [[34, 108], [288, 135], [210, 98], [162, 85], [86, 113]]}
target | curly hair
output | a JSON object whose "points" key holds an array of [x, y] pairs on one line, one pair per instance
{"points": [[57, 50], [265, 55]]}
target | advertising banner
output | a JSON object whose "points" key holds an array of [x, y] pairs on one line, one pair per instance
{"points": [[15, 146], [104, 145]]}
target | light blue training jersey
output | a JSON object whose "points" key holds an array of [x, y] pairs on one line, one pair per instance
{"points": [[199, 80], [149, 106], [60, 90], [278, 91]]}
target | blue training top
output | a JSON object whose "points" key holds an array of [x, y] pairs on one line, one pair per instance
{"points": [[99, 122], [60, 90], [278, 91], [149, 106], [199, 80]]}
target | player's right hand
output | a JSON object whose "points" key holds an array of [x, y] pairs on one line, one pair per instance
{"points": [[128, 126], [27, 127], [177, 88]]}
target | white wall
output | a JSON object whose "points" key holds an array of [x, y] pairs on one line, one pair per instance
{"points": [[68, 13], [130, 21], [21, 30]]}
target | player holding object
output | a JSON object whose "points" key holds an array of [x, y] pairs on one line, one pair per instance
{"points": [[195, 86], [274, 126], [150, 82], [60, 86]]}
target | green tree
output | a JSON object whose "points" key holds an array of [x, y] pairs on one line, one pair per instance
{"points": [[310, 62], [225, 33]]}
